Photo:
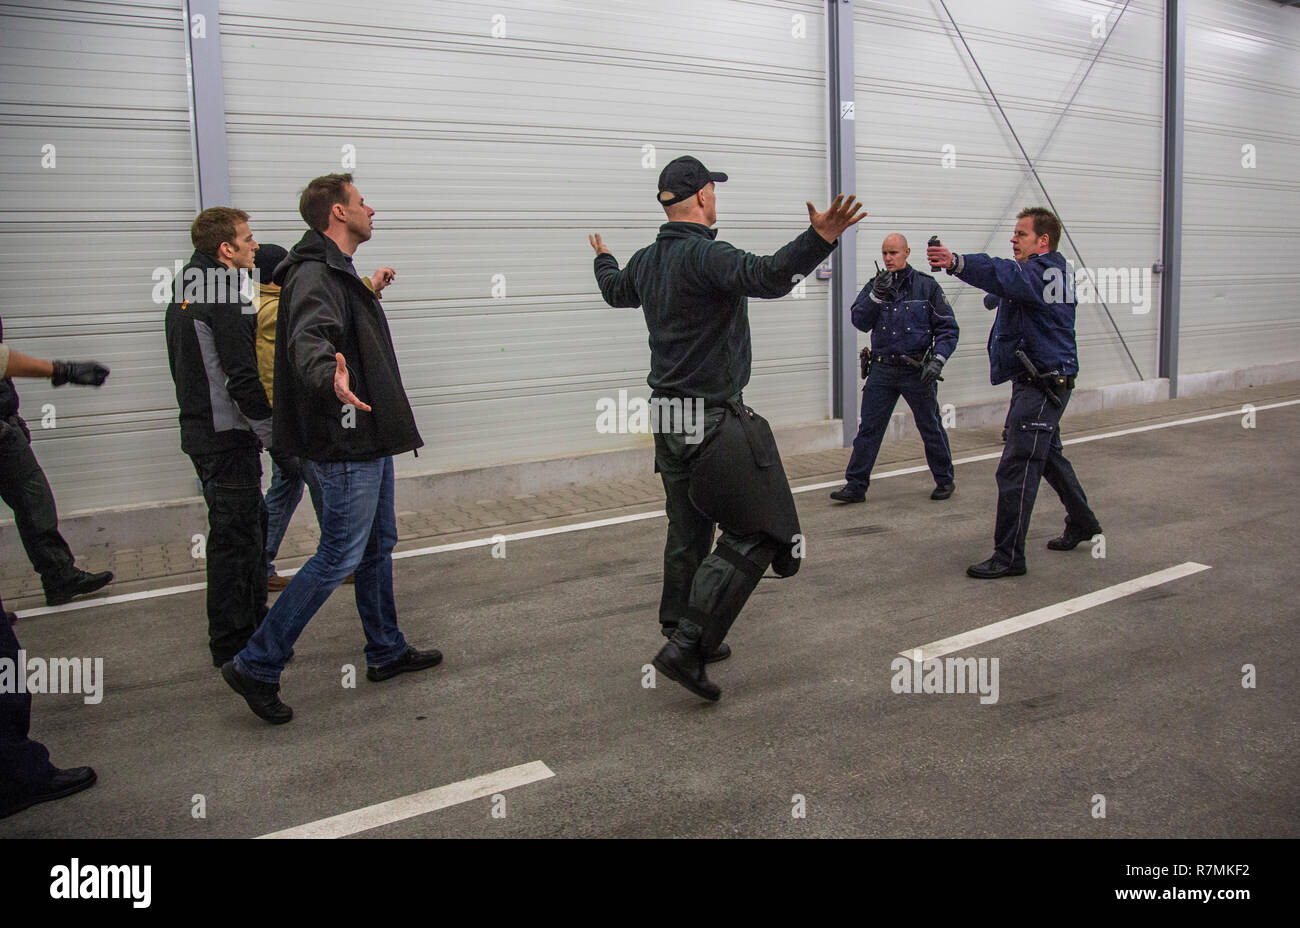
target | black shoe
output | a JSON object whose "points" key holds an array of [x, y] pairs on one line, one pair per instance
{"points": [[262, 698], [943, 491], [80, 584], [411, 660], [680, 661], [1069, 539], [63, 783], [991, 570], [846, 495]]}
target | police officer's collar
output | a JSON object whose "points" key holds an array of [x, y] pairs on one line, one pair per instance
{"points": [[684, 229]]}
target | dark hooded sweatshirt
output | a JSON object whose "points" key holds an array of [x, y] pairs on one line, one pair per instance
{"points": [[325, 308]]}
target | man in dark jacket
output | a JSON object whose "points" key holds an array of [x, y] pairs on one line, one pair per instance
{"points": [[913, 332], [225, 418], [340, 404], [693, 291], [1034, 328], [23, 486]]}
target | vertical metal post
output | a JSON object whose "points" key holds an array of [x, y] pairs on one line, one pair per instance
{"points": [[207, 103], [842, 144], [1172, 212]]}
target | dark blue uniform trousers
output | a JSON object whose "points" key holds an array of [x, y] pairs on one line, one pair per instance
{"points": [[1033, 450], [885, 384], [24, 763]]}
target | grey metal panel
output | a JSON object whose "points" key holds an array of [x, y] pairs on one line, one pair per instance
{"points": [[487, 156], [1241, 225], [104, 83], [918, 92]]}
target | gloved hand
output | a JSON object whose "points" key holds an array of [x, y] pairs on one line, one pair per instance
{"points": [[885, 287], [85, 373], [930, 372], [991, 301]]}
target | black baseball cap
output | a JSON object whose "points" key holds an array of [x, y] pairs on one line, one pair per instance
{"points": [[684, 177]]}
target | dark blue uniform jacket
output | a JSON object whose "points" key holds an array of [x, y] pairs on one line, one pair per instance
{"points": [[1035, 312], [907, 326]]}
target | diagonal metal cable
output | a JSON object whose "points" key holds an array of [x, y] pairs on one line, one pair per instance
{"points": [[1034, 170], [1060, 118]]}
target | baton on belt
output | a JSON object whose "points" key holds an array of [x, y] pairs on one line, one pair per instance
{"points": [[921, 363], [1039, 379]]}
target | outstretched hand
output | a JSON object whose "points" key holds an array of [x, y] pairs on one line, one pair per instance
{"points": [[342, 385], [598, 245], [841, 214]]}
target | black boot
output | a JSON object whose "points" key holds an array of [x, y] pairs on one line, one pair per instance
{"points": [[682, 661], [79, 584]]}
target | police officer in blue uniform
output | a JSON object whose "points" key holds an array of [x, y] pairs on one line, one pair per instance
{"points": [[1032, 345], [913, 332]]}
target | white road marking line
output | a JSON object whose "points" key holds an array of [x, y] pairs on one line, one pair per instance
{"points": [[110, 600], [635, 517], [1050, 613], [994, 455], [396, 810]]}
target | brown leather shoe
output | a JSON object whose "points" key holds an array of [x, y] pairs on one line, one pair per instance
{"points": [[350, 578], [275, 583]]}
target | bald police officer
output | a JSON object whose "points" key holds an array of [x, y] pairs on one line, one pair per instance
{"points": [[913, 332], [693, 290]]}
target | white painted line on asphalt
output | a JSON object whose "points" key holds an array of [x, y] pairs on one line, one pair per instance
{"points": [[994, 455], [1050, 613], [635, 517], [110, 600], [396, 810]]}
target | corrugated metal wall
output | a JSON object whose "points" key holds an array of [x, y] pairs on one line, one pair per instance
{"points": [[80, 236], [1241, 223], [489, 155], [918, 92], [493, 137]]}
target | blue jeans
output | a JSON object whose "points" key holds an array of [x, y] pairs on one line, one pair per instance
{"points": [[358, 529], [880, 394], [288, 474]]}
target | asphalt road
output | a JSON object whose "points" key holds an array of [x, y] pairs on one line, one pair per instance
{"points": [[1139, 700]]}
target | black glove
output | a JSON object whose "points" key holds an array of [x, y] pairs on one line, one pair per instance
{"points": [[930, 371], [991, 301], [85, 373], [885, 287]]}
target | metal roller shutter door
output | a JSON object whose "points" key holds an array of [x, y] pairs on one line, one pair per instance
{"points": [[488, 156], [105, 84], [1240, 224], [917, 92]]}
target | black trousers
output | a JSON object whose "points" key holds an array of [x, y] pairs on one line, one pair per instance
{"points": [[24, 763], [706, 588], [26, 491], [236, 547], [1032, 451]]}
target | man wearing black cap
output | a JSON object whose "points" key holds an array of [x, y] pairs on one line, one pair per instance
{"points": [[693, 290]]}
